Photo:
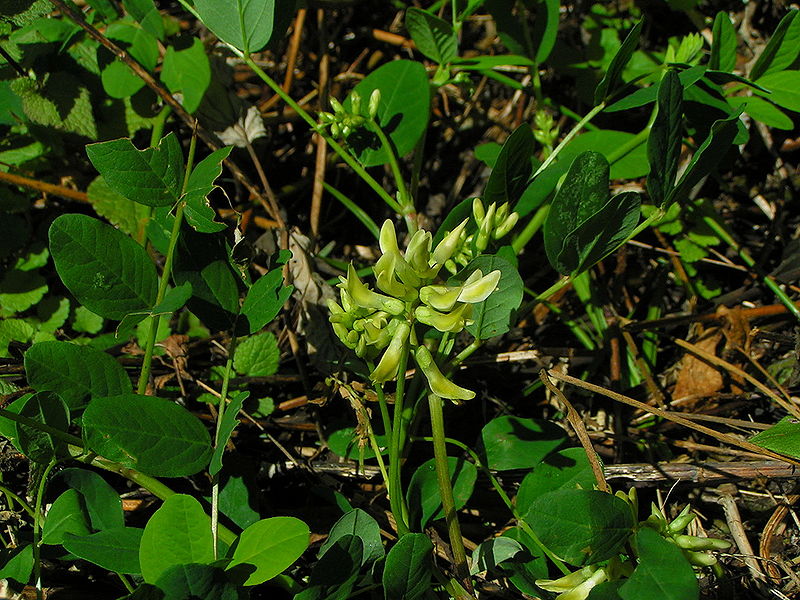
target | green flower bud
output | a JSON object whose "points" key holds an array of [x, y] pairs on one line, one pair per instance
{"points": [[438, 383], [326, 118], [449, 244], [439, 297], [385, 271], [505, 226], [336, 130], [390, 361], [478, 211], [366, 298], [485, 229], [337, 107], [501, 213], [575, 586], [374, 103], [346, 130], [355, 102], [478, 287]]}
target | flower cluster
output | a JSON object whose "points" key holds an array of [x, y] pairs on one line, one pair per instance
{"points": [[374, 323], [343, 122], [493, 223]]}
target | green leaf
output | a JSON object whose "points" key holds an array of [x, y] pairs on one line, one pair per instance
{"points": [[494, 316], [178, 533], [433, 36], [489, 554], [66, 515], [151, 435], [581, 526], [526, 568], [187, 71], [247, 25], [17, 564], [603, 232], [610, 82], [103, 504], [229, 422], [19, 290], [258, 355], [723, 46], [188, 581], [62, 102], [270, 546], [152, 177], [15, 330], [719, 140], [784, 87], [74, 372], [104, 269], [115, 549], [516, 443], [407, 573], [512, 168], [49, 409], [85, 321], [783, 437], [336, 572], [402, 113], [358, 523], [644, 96], [486, 62], [663, 572], [129, 216], [104, 8], [782, 48], [203, 261], [199, 213], [763, 111], [664, 143], [545, 28], [119, 81], [145, 591], [566, 469], [145, 12], [264, 300], [424, 502]]}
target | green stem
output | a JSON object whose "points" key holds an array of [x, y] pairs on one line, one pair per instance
{"points": [[335, 146], [568, 138], [446, 490], [158, 125], [223, 399], [144, 375], [11, 496], [62, 436], [384, 408], [506, 500], [37, 528], [530, 229], [396, 497], [406, 202]]}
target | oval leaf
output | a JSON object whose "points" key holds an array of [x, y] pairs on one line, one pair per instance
{"points": [[567, 469], [104, 269], [515, 443], [581, 526], [663, 572], [149, 434], [358, 523], [115, 549], [402, 113], [407, 573], [178, 533], [269, 546], [74, 372], [37, 445], [424, 501]]}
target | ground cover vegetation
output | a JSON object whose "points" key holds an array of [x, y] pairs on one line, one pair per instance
{"points": [[403, 300]]}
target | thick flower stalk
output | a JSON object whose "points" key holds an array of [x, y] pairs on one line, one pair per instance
{"points": [[380, 323]]}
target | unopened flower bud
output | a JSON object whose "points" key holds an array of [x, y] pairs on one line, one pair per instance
{"points": [[478, 211], [374, 103], [418, 253], [691, 542], [505, 226], [449, 244], [485, 229], [337, 107], [387, 367], [438, 383], [355, 102], [681, 521]]}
